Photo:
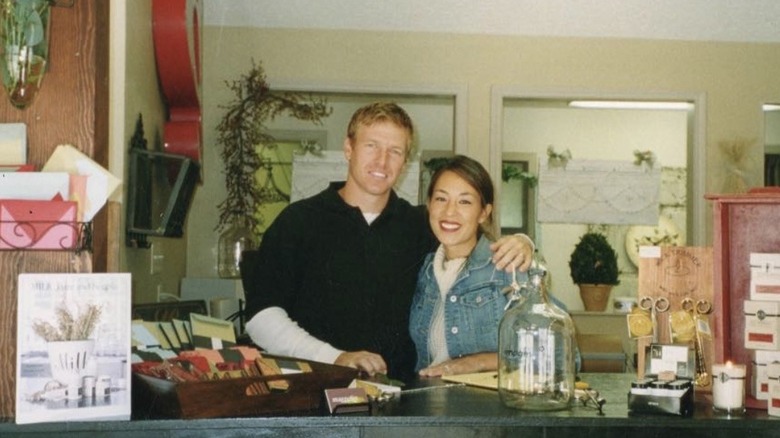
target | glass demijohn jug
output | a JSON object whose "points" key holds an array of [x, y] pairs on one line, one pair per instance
{"points": [[536, 366], [236, 239]]}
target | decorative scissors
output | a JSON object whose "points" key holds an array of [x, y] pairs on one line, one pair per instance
{"points": [[698, 310], [654, 306], [699, 307]]}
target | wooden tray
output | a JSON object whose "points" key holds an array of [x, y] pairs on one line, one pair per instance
{"points": [[159, 398]]}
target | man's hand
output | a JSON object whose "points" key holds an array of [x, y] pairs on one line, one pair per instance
{"points": [[513, 251], [371, 363]]}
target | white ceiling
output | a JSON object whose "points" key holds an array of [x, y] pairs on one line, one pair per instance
{"points": [[715, 20]]}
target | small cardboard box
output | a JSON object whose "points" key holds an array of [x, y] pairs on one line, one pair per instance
{"points": [[652, 395], [762, 325], [159, 398], [764, 276], [759, 363], [773, 375]]}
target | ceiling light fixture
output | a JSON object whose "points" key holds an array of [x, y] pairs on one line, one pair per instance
{"points": [[630, 104]]}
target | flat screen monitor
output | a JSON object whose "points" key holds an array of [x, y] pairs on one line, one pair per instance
{"points": [[159, 194]]}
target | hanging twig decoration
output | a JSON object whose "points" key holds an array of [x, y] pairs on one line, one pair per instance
{"points": [[242, 134], [737, 152]]}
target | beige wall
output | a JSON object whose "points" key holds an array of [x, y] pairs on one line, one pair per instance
{"points": [[735, 78], [135, 91]]}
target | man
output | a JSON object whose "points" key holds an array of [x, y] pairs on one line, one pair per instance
{"points": [[335, 273]]}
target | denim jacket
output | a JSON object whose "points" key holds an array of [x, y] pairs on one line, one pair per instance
{"points": [[473, 308]]}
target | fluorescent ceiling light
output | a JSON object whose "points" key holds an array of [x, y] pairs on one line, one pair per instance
{"points": [[630, 104], [770, 107]]}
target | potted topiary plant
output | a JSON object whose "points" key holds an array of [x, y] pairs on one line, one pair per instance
{"points": [[593, 266]]}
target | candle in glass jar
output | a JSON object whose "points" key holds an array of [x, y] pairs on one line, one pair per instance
{"points": [[728, 387]]}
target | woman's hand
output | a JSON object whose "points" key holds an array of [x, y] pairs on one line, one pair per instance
{"points": [[473, 363], [515, 251], [371, 363]]}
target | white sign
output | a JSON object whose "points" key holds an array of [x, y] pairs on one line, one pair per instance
{"points": [[312, 174], [73, 347], [599, 192]]}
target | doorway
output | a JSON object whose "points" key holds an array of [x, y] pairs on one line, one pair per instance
{"points": [[535, 123]]}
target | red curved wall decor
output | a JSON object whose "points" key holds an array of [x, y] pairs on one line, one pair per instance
{"points": [[176, 33]]}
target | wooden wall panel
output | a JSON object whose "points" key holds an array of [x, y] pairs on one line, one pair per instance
{"points": [[72, 105], [63, 110], [14, 263], [71, 108]]}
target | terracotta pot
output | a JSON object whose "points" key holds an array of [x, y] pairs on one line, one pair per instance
{"points": [[595, 296]]}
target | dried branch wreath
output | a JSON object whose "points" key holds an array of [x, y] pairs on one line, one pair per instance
{"points": [[243, 135]]}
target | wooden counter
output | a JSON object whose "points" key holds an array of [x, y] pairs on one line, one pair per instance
{"points": [[447, 412]]}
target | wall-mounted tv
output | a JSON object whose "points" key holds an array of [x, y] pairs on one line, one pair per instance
{"points": [[160, 189]]}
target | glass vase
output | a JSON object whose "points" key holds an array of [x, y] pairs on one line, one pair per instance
{"points": [[236, 239], [24, 38], [536, 367]]}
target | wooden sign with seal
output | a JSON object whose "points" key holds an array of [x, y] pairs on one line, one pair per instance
{"points": [[680, 277]]}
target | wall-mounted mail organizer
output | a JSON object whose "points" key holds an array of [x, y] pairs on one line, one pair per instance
{"points": [[45, 235], [43, 225]]}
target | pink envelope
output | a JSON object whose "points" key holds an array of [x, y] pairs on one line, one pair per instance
{"points": [[26, 224]]}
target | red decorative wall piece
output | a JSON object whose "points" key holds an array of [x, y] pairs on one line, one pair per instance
{"points": [[176, 31]]}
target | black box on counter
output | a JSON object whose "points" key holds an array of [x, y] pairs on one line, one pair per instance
{"points": [[667, 387]]}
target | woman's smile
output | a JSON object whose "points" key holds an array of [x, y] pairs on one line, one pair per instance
{"points": [[455, 210]]}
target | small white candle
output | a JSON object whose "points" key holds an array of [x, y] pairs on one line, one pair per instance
{"points": [[728, 387]]}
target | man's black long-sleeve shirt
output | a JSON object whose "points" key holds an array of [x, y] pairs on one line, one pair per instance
{"points": [[344, 281]]}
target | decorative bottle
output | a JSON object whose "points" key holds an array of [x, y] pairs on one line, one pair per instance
{"points": [[536, 368], [236, 239], [25, 42]]}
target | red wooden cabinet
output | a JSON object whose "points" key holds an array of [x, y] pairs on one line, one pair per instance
{"points": [[742, 224]]}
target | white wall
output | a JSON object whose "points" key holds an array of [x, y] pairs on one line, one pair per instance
{"points": [[434, 121], [598, 134], [701, 20]]}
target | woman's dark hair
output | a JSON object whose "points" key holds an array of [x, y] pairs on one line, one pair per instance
{"points": [[477, 177]]}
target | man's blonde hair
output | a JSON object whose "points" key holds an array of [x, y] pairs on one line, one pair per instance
{"points": [[381, 112]]}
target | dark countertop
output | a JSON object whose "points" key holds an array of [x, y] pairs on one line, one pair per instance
{"points": [[453, 411]]}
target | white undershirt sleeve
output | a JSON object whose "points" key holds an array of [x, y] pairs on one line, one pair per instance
{"points": [[273, 331]]}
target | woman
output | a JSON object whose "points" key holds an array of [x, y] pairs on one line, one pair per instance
{"points": [[459, 300]]}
